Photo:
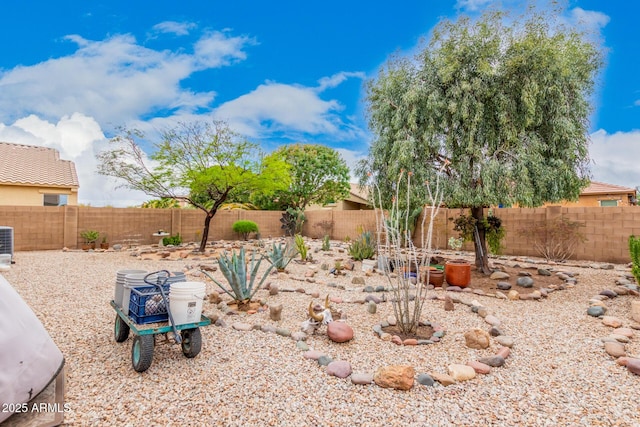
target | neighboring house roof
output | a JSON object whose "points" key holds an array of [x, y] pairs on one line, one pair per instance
{"points": [[603, 188], [33, 165], [359, 194]]}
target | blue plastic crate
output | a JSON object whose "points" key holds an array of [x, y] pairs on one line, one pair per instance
{"points": [[146, 304]]}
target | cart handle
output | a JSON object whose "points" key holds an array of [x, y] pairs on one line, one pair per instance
{"points": [[159, 283]]}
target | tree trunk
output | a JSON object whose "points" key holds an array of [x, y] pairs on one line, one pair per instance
{"points": [[205, 230], [482, 255]]}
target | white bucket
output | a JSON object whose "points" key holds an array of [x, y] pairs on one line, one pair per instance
{"points": [[120, 279], [135, 280], [185, 301]]}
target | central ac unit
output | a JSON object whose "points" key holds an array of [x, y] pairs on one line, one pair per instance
{"points": [[6, 241]]}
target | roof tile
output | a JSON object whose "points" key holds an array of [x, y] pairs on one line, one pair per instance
{"points": [[33, 165]]}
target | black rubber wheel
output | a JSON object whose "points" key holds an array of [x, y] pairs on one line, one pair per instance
{"points": [[142, 352], [191, 342], [120, 329]]}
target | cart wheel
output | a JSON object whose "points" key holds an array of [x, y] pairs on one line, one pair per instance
{"points": [[191, 342], [142, 352], [120, 329]]}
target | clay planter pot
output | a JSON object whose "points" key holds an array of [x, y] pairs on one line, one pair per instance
{"points": [[458, 273], [436, 277]]}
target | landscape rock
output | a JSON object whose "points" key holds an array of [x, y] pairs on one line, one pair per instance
{"points": [[499, 275], [615, 349], [443, 379], [504, 286], [361, 378], [399, 377], [611, 321], [425, 379], [596, 311], [339, 368], [493, 361], [524, 282], [477, 339], [479, 367], [461, 372], [275, 312], [633, 365], [339, 332]]}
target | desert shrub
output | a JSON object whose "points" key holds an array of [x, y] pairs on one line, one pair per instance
{"points": [[244, 228], [363, 247], [556, 239], [172, 240]]}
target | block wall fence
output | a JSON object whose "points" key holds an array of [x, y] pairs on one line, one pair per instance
{"points": [[51, 228]]}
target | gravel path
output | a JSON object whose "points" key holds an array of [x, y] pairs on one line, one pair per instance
{"points": [[557, 373]]}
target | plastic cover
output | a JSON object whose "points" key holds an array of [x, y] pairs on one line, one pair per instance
{"points": [[29, 359]]}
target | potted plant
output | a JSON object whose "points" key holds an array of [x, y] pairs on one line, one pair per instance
{"points": [[104, 244], [90, 237]]}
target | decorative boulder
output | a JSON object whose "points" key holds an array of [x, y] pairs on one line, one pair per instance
{"points": [[339, 332], [339, 368], [399, 377], [477, 338]]}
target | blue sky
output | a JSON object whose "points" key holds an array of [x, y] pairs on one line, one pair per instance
{"points": [[278, 72]]}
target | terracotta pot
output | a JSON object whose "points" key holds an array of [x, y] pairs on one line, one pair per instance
{"points": [[104, 246], [458, 273], [436, 277]]}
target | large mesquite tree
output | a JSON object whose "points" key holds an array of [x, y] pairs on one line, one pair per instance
{"points": [[200, 163], [501, 111]]}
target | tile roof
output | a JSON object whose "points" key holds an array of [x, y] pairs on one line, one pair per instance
{"points": [[603, 188], [33, 165], [359, 194]]}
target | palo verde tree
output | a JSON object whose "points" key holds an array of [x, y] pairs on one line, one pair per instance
{"points": [[499, 110], [200, 163], [318, 174]]}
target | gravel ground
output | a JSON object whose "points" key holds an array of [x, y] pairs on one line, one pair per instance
{"points": [[557, 373]]}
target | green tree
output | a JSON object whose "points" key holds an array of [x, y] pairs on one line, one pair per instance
{"points": [[200, 163], [163, 203], [318, 174], [500, 109]]}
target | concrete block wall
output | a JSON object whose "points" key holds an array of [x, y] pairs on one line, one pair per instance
{"points": [[51, 228]]}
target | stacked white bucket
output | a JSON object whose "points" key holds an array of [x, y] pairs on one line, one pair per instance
{"points": [[120, 283], [185, 301]]}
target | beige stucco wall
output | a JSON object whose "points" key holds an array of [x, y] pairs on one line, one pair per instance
{"points": [[22, 195]]}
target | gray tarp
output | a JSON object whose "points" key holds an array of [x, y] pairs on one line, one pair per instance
{"points": [[29, 359]]}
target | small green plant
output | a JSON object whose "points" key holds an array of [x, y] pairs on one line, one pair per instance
{"points": [[280, 256], [634, 252], [90, 236], [326, 243], [245, 227], [303, 250], [241, 279], [363, 247], [172, 240], [455, 243]]}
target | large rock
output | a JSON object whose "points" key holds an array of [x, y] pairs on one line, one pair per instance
{"points": [[461, 372], [499, 275], [480, 368], [443, 379], [399, 377], [477, 338], [611, 321], [525, 282], [615, 349], [633, 365], [339, 368], [339, 332]]}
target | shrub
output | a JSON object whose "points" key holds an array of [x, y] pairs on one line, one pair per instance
{"points": [[362, 247], [172, 240], [292, 221], [241, 279], [280, 256], [634, 252], [556, 239], [244, 228]]}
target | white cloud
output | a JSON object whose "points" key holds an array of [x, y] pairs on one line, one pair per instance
{"points": [[472, 5], [274, 107], [590, 18], [78, 138], [114, 80], [173, 27], [615, 157]]}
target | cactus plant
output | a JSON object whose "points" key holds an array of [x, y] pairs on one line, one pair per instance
{"points": [[242, 280], [634, 252], [280, 256], [303, 250]]}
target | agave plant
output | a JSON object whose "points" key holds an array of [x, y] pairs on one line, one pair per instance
{"points": [[280, 256], [242, 280]]}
